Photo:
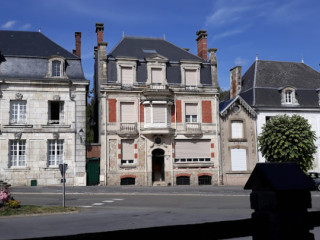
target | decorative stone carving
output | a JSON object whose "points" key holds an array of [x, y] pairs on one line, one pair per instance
{"points": [[55, 135], [56, 97], [19, 96], [18, 135]]}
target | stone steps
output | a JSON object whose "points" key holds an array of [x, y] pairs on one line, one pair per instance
{"points": [[4, 184], [159, 183]]}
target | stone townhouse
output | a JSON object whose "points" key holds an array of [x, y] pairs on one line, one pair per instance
{"points": [[237, 135], [158, 112], [267, 89], [42, 110]]}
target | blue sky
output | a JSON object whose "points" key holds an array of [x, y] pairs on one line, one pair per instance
{"points": [[277, 30]]}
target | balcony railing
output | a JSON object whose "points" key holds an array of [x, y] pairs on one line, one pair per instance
{"points": [[193, 128], [128, 128]]}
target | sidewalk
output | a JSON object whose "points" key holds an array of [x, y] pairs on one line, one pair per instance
{"points": [[204, 190]]}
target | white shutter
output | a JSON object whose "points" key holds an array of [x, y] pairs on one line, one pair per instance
{"points": [[147, 113], [238, 159], [127, 112], [126, 75], [159, 113], [237, 129], [191, 77], [156, 75], [191, 109], [192, 149], [127, 149]]}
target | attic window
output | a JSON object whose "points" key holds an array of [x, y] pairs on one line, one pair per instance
{"points": [[149, 50], [57, 67], [288, 96]]}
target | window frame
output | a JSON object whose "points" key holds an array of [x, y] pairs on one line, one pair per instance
{"points": [[62, 68], [61, 119], [21, 116], [125, 162], [126, 63], [288, 96], [191, 117], [149, 114], [55, 161], [21, 158], [190, 67], [232, 133]]}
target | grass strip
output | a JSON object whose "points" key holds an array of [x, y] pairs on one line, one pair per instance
{"points": [[32, 209]]}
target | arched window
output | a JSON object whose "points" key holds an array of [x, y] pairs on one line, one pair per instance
{"points": [[183, 180], [56, 68], [204, 180], [288, 96]]}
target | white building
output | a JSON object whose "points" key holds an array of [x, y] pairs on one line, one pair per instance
{"points": [[42, 110]]}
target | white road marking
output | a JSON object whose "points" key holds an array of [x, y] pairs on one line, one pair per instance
{"points": [[117, 199], [85, 206], [108, 201], [97, 204]]}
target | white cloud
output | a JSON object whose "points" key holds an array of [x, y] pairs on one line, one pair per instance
{"points": [[226, 15], [25, 26], [227, 34], [8, 24], [241, 61]]}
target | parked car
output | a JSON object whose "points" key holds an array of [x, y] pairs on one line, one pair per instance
{"points": [[315, 176]]}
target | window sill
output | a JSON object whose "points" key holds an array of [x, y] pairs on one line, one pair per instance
{"points": [[238, 172], [237, 140], [195, 164], [56, 126], [51, 168], [17, 169], [133, 165], [18, 126]]}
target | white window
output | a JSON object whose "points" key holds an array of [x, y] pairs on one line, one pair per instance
{"points": [[126, 75], [127, 151], [191, 113], [56, 112], [156, 75], [192, 151], [18, 111], [238, 159], [191, 77], [157, 114], [17, 153], [55, 152], [288, 96], [236, 129], [56, 70], [127, 112]]}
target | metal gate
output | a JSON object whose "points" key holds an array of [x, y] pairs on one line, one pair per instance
{"points": [[93, 171]]}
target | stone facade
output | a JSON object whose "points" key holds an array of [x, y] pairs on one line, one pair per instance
{"points": [[144, 124], [41, 120]]}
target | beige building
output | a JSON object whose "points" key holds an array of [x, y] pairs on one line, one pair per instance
{"points": [[42, 110], [158, 112]]}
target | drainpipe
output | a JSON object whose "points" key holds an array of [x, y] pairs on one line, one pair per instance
{"points": [[75, 131]]}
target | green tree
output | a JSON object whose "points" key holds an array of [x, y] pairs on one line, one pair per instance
{"points": [[222, 94], [288, 139]]}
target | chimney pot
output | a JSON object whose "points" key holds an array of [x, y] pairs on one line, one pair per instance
{"points": [[202, 44]]}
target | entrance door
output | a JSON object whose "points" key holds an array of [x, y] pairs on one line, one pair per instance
{"points": [[158, 165], [93, 171]]}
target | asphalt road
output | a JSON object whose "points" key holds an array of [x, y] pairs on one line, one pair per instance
{"points": [[105, 210]]}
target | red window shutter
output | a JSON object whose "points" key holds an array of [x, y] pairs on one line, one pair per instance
{"points": [[173, 114], [141, 112], [206, 112], [178, 109], [112, 110]]}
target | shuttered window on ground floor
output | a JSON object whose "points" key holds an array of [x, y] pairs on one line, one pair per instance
{"points": [[238, 159], [127, 153], [192, 150]]}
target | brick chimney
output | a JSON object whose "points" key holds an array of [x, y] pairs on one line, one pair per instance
{"points": [[202, 44], [77, 51], [235, 81], [99, 31]]}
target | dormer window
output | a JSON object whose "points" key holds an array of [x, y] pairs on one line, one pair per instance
{"points": [[190, 75], [56, 67], [126, 69], [288, 96], [156, 67], [156, 75]]}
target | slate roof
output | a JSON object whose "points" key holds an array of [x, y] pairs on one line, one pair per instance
{"points": [[24, 55], [141, 48], [31, 44], [263, 81], [134, 46]]}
